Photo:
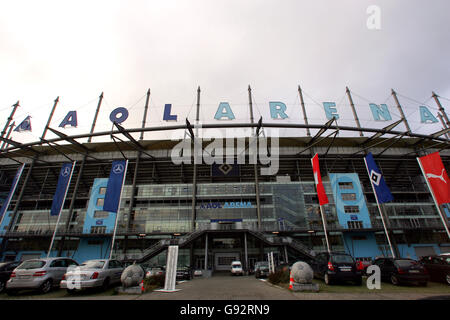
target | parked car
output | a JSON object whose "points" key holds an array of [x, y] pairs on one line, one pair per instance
{"points": [[6, 268], [198, 273], [335, 266], [236, 268], [42, 274], [154, 271], [261, 269], [438, 267], [402, 270], [184, 273], [91, 274]]}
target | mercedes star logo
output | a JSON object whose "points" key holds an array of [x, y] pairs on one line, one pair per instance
{"points": [[65, 172], [118, 168]]}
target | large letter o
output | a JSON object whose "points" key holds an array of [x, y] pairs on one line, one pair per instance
{"points": [[123, 115]]}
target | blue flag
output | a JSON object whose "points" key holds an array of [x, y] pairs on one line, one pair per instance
{"points": [[61, 188], [377, 180], [12, 190], [25, 125], [114, 186]]}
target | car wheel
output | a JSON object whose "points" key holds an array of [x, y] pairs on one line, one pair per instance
{"points": [[2, 286], [327, 279], [358, 282], [70, 291], [46, 286], [447, 279], [394, 280]]}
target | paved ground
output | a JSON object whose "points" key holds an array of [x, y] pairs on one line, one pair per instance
{"points": [[226, 287]]}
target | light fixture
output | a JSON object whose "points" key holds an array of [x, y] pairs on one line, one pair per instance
{"points": [[275, 232], [142, 235], [177, 234], [311, 231]]}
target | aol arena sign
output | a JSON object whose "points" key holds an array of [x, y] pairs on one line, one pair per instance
{"points": [[278, 111], [252, 147]]}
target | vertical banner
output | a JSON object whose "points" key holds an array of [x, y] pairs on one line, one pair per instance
{"points": [[379, 185], [60, 196], [114, 186], [323, 199], [437, 181], [61, 188], [436, 177], [381, 191], [11, 191]]}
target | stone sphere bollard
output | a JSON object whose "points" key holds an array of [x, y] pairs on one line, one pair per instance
{"points": [[301, 272], [132, 276]]}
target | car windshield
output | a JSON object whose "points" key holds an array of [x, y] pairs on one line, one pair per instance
{"points": [[2, 264], [235, 266], [93, 264], [31, 264], [342, 258], [405, 263]]}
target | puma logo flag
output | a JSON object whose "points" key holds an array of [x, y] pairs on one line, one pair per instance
{"points": [[434, 172]]}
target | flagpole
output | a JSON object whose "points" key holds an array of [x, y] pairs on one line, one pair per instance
{"points": [[381, 213], [118, 209], [62, 206], [434, 199]]}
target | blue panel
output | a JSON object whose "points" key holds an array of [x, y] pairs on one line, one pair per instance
{"points": [[224, 111], [426, 116], [69, 120], [277, 110], [92, 248], [379, 112], [330, 110], [361, 248], [90, 221], [360, 201], [167, 116]]}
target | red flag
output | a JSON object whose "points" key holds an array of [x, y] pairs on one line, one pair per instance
{"points": [[323, 199], [437, 178]]}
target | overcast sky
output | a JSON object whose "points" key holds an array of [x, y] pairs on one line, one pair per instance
{"points": [[78, 49]]}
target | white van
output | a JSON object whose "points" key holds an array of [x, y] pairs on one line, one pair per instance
{"points": [[236, 268]]}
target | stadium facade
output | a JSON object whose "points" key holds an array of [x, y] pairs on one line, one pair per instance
{"points": [[216, 212], [219, 221]]}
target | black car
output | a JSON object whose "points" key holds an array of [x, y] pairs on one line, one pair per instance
{"points": [[6, 268], [335, 266], [438, 268], [261, 269], [184, 273], [402, 270]]}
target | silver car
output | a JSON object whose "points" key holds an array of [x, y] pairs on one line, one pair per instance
{"points": [[92, 273], [41, 274]]}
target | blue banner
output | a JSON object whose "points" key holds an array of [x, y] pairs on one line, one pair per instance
{"points": [[377, 180], [114, 186], [61, 188], [25, 125], [12, 190]]}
